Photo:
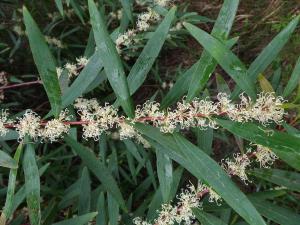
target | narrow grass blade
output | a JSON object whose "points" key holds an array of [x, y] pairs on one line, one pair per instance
{"points": [[7, 210], [32, 185], [78, 220], [225, 58], [98, 169], [293, 81], [44, 61], [204, 168], [111, 61], [288, 179], [207, 63], [144, 63], [285, 146]]}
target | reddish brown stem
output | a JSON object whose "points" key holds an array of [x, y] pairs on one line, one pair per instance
{"points": [[21, 85]]}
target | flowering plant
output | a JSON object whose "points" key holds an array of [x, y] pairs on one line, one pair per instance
{"points": [[114, 159]]}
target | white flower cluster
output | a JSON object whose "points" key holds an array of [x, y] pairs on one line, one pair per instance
{"points": [[73, 68], [264, 156], [30, 124], [55, 128], [96, 119], [239, 165], [144, 21], [266, 109], [54, 41], [182, 212]]}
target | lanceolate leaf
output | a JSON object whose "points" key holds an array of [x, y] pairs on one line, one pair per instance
{"points": [[32, 185], [165, 174], [111, 61], [225, 58], [207, 63], [285, 146], [150, 52], [204, 168], [44, 61], [98, 169]]}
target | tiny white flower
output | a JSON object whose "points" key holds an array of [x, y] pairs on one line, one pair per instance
{"points": [[82, 61]]}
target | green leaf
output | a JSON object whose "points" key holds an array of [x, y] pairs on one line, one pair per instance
{"points": [[113, 210], [150, 52], [7, 161], [293, 81], [205, 139], [204, 168], [165, 174], [84, 202], [78, 220], [111, 61], [285, 146], [206, 218], [7, 210], [276, 213], [44, 61], [32, 185], [227, 60], [207, 64], [98, 169], [284, 178], [84, 79], [21, 193], [60, 6], [101, 218]]}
